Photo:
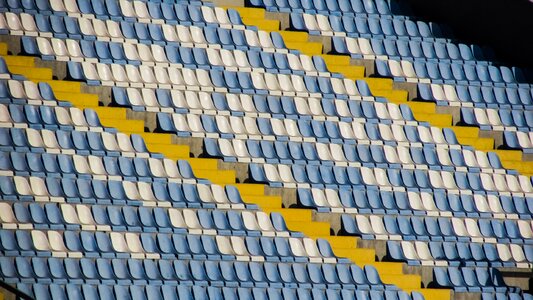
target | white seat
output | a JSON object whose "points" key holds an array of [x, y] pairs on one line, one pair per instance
{"points": [[131, 191], [503, 252], [323, 23], [71, 6], [249, 221], [157, 168], [239, 246], [126, 8], [6, 215], [481, 203], [224, 245], [472, 228], [264, 39], [438, 92], [28, 23], [113, 30], [191, 219], [118, 242], [310, 22], [422, 250], [40, 240], [222, 16], [517, 253], [85, 216], [264, 222], [363, 224], [365, 47], [56, 242], [100, 28], [451, 93], [96, 165], [525, 229], [57, 5], [297, 248], [208, 14], [176, 218], [145, 191], [378, 227], [252, 39], [368, 176], [459, 227], [141, 10], [353, 46], [409, 251], [285, 174], [109, 142], [133, 242]]}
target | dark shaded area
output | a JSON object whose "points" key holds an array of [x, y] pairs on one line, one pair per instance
{"points": [[506, 26]]}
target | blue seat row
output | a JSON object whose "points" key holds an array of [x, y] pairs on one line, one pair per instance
{"points": [[471, 280], [521, 119], [197, 272], [342, 7], [184, 292]]}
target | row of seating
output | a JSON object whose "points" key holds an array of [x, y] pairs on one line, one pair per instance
{"points": [[337, 177], [107, 191], [255, 105], [456, 254], [205, 58], [483, 97], [366, 27], [199, 273], [448, 73], [214, 80], [346, 154], [75, 292], [436, 229], [472, 280], [410, 50], [90, 29], [163, 246], [437, 203], [344, 7], [115, 217], [300, 129], [498, 119], [171, 292]]}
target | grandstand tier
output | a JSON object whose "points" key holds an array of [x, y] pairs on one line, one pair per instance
{"points": [[284, 150]]}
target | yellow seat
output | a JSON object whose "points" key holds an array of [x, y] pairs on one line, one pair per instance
{"points": [[340, 242], [352, 72], [478, 143], [336, 60], [248, 12], [389, 268], [78, 99], [32, 72], [170, 150], [294, 36], [263, 24], [128, 126], [203, 163], [250, 189], [361, 256], [405, 281], [379, 83], [463, 131], [396, 96], [19, 61], [293, 214], [3, 49], [116, 113], [63, 86], [156, 138], [440, 120], [509, 155], [309, 228], [434, 294], [422, 107], [265, 202], [307, 48]]}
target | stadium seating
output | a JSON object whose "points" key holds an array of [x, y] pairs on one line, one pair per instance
{"points": [[151, 150]]}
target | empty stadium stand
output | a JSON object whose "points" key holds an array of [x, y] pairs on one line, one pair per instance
{"points": [[260, 150]]}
